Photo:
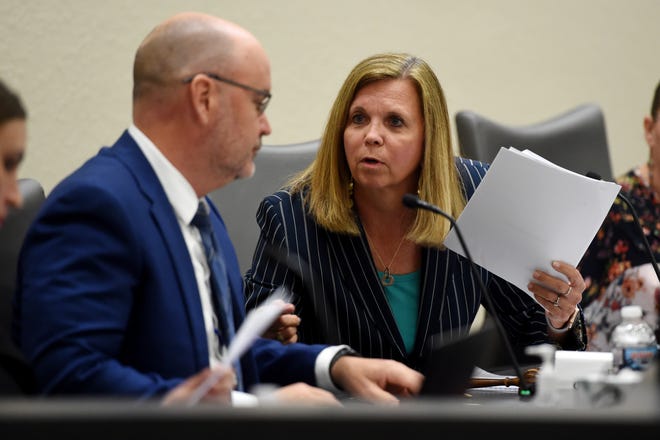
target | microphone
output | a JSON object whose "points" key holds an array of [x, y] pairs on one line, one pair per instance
{"points": [[414, 202], [625, 200]]}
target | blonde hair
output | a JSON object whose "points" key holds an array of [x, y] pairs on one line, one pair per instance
{"points": [[325, 182]]}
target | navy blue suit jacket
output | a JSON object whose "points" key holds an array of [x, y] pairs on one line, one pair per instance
{"points": [[340, 299], [107, 301]]}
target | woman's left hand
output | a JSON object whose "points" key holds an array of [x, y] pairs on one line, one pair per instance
{"points": [[559, 296], [285, 327]]}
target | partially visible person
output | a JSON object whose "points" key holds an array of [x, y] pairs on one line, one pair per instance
{"points": [[13, 135], [116, 293], [15, 375], [616, 266], [367, 271]]}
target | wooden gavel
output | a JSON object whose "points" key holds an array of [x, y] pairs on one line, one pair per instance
{"points": [[529, 374]]}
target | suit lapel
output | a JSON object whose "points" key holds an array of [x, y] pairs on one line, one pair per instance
{"points": [[165, 221], [433, 287], [361, 280]]}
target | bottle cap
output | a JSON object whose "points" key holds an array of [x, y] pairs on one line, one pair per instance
{"points": [[629, 312]]}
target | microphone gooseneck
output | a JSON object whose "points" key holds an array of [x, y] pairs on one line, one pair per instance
{"points": [[328, 327], [414, 202], [625, 200]]}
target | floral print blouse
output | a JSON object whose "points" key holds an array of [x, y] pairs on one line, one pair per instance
{"points": [[608, 263]]}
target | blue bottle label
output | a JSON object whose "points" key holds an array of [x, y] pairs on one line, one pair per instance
{"points": [[639, 358]]}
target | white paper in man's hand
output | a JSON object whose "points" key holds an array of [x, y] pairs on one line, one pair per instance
{"points": [[527, 212], [255, 324]]}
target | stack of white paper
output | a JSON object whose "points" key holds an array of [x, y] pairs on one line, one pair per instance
{"points": [[527, 212]]}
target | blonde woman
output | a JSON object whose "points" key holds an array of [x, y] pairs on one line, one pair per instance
{"points": [[366, 270]]}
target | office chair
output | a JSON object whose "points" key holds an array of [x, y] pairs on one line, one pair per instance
{"points": [[575, 140], [15, 375], [238, 202]]}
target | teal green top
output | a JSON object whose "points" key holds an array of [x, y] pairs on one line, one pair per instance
{"points": [[403, 296]]}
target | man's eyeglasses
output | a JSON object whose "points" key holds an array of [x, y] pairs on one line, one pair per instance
{"points": [[265, 94]]}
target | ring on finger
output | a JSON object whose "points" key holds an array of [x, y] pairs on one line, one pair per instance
{"points": [[568, 291], [556, 302]]}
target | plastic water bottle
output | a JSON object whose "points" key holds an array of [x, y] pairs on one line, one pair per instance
{"points": [[634, 344]]}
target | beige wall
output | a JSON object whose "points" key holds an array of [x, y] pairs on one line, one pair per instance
{"points": [[519, 61]]}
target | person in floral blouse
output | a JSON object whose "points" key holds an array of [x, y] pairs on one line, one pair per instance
{"points": [[616, 266]]}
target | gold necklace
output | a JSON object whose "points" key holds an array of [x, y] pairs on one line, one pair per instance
{"points": [[387, 279]]}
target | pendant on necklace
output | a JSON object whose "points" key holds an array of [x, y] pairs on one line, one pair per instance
{"points": [[387, 279]]}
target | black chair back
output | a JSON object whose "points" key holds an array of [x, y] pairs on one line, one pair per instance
{"points": [[575, 140], [15, 375]]}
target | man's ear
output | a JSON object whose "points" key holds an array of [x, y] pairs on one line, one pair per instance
{"points": [[201, 94]]}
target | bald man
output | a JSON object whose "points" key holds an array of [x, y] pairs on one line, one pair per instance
{"points": [[116, 295]]}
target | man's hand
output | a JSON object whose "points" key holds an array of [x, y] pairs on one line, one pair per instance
{"points": [[285, 328], [219, 393], [376, 380]]}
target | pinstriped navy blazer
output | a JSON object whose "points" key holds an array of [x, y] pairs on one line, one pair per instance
{"points": [[340, 299]]}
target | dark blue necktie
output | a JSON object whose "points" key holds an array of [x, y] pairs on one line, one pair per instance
{"points": [[218, 280]]}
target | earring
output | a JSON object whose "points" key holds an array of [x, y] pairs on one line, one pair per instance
{"points": [[350, 192]]}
